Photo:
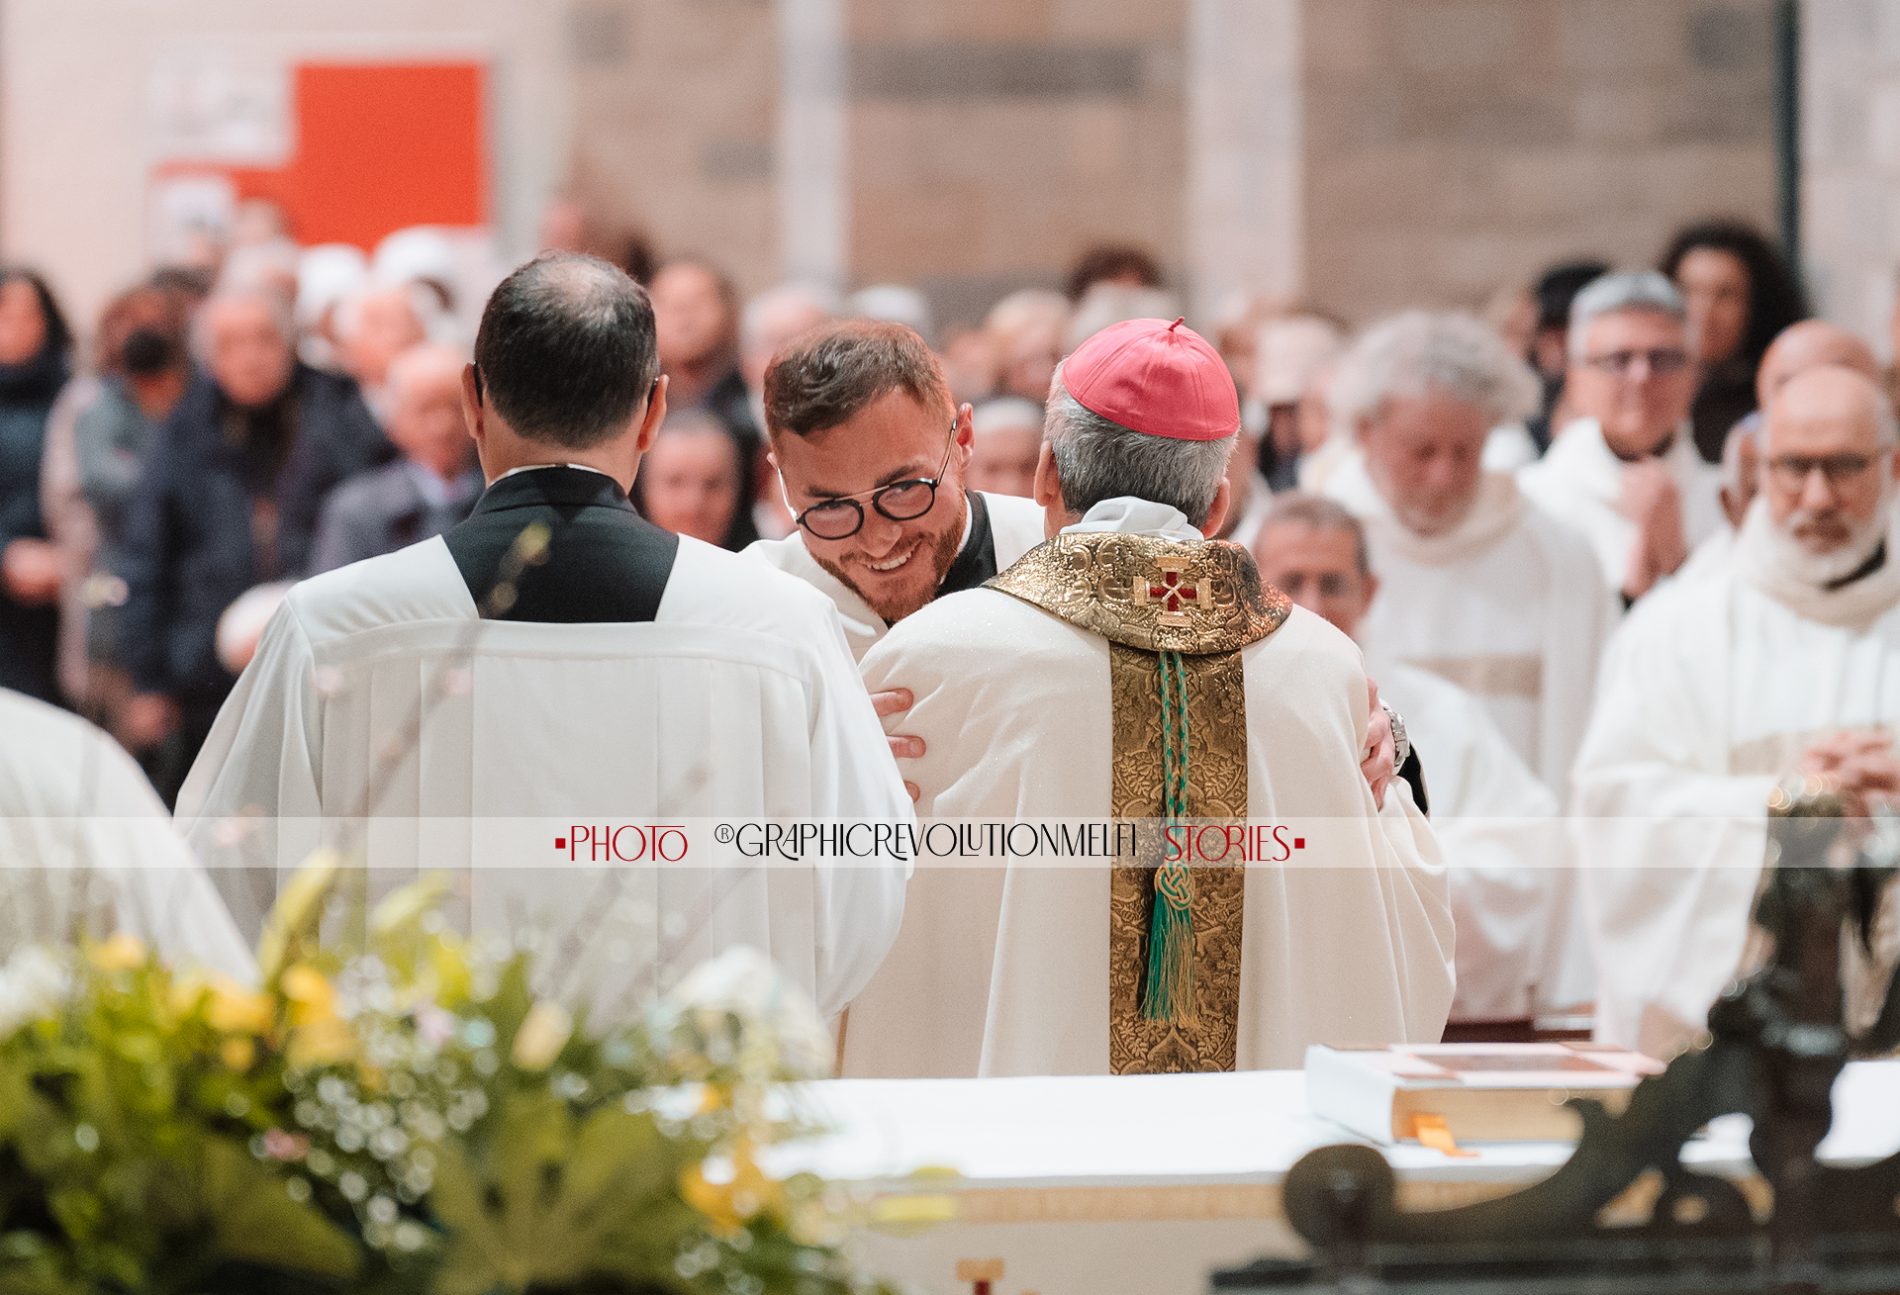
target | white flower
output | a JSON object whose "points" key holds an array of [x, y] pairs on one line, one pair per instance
{"points": [[775, 1015], [32, 986]]}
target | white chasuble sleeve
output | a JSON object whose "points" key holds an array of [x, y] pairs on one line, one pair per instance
{"points": [[922, 1016], [853, 777]]}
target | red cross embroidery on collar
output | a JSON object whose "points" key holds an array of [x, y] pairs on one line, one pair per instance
{"points": [[1177, 596]]}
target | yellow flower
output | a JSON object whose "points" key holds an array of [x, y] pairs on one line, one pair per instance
{"points": [[543, 1033], [712, 1200], [238, 1054], [321, 1043], [121, 953], [311, 996], [236, 1009]]}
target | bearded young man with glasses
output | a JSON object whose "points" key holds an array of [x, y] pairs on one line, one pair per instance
{"points": [[1626, 473], [1783, 661], [871, 454]]}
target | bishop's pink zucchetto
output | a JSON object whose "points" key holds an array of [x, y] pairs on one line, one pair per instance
{"points": [[1155, 377]]}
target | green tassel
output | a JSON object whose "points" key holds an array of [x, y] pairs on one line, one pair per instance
{"points": [[1170, 987], [1170, 995]]}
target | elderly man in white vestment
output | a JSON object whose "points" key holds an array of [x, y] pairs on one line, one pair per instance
{"points": [[1496, 821], [1129, 668], [1785, 660], [1477, 583], [1799, 347], [556, 657], [1626, 472], [88, 850]]}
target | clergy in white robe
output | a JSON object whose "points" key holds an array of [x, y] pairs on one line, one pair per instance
{"points": [[1496, 822], [1625, 473], [555, 659], [1786, 660], [90, 852], [886, 522], [1809, 344], [1040, 696], [1476, 583]]}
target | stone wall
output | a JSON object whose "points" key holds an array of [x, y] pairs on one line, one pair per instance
{"points": [[1363, 153], [991, 141], [1452, 146], [675, 125], [1850, 149]]}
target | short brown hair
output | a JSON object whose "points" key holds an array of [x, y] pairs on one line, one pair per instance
{"points": [[824, 377]]}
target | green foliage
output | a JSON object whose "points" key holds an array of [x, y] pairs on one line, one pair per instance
{"points": [[401, 1119]]}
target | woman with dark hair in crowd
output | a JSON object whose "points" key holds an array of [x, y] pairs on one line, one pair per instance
{"points": [[1740, 293], [696, 480], [35, 362]]}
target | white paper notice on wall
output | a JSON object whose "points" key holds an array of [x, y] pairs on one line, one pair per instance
{"points": [[223, 107], [188, 217]]}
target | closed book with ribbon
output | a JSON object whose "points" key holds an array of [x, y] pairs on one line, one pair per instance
{"points": [[1445, 1094]]}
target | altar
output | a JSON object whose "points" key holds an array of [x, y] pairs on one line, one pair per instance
{"points": [[1093, 1185]]}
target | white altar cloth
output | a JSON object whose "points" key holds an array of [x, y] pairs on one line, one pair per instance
{"points": [[1088, 1186]]}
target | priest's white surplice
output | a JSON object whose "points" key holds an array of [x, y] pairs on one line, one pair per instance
{"points": [[1505, 605], [1497, 824], [1353, 943], [378, 689], [87, 850], [1579, 481], [1712, 690]]}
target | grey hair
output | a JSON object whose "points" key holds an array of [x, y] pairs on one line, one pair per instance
{"points": [[1000, 412], [281, 316], [417, 361], [1620, 290], [753, 318], [1417, 351], [422, 303], [1098, 459]]}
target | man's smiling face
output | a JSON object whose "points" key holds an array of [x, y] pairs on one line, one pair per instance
{"points": [[895, 566]]}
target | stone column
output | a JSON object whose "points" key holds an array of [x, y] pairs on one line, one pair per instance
{"points": [[1245, 194], [813, 197], [1850, 161]]}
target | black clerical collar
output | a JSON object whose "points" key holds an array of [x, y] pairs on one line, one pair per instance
{"points": [[556, 484], [1875, 560], [976, 560]]}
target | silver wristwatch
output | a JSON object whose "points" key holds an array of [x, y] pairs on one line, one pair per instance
{"points": [[1401, 743]]}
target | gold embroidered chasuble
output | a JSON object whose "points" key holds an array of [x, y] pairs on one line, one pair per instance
{"points": [[1160, 601]]}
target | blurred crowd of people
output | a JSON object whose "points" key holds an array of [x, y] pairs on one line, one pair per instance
{"points": [[290, 410]]}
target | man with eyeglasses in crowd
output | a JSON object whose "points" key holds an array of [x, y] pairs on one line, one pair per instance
{"points": [[1784, 660], [1625, 472]]}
